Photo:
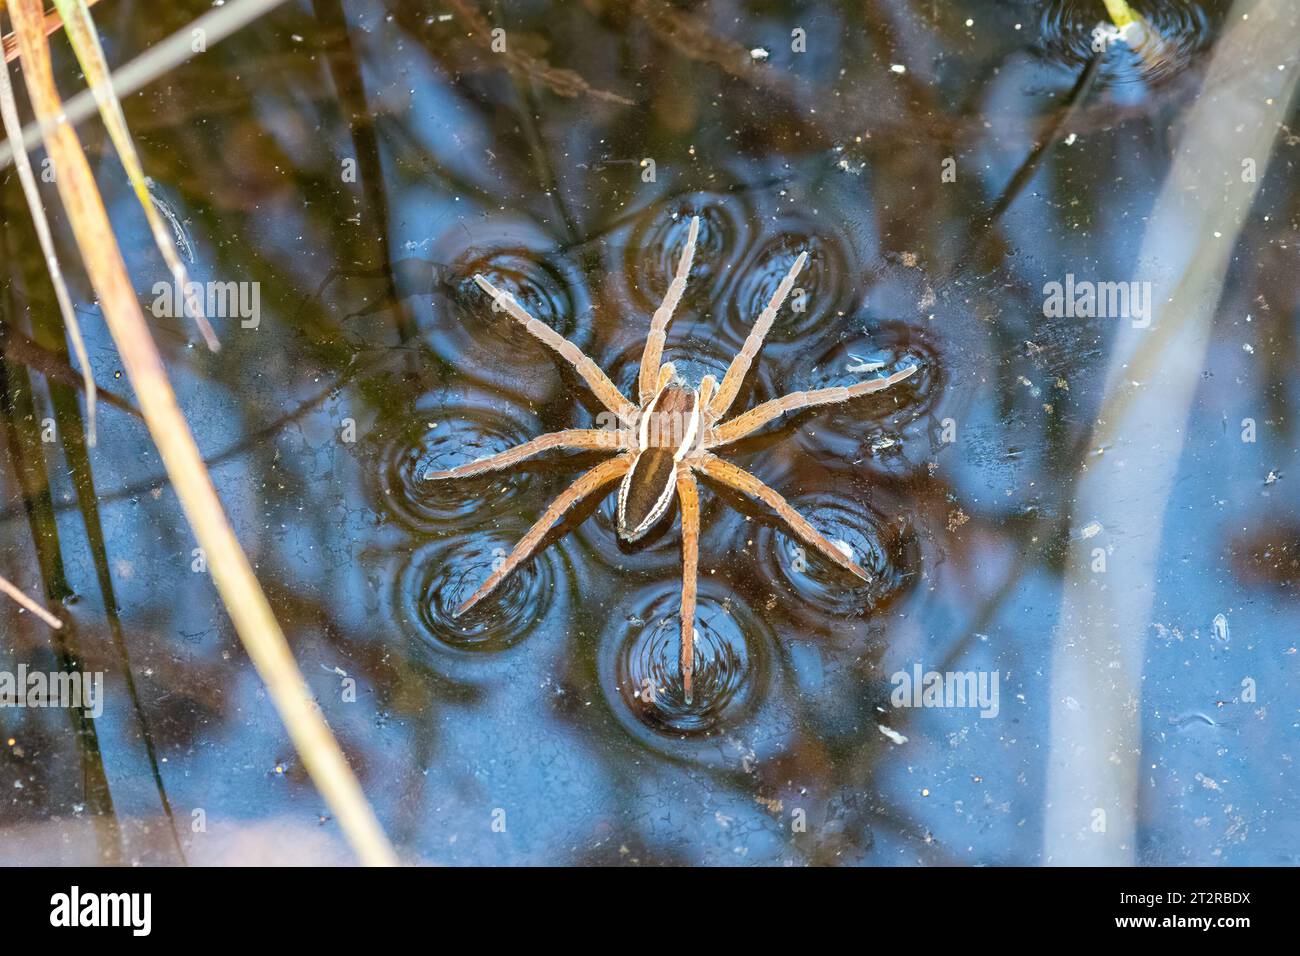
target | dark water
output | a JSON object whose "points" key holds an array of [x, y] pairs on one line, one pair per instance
{"points": [[377, 360]]}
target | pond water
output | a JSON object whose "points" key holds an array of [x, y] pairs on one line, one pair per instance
{"points": [[943, 164]]}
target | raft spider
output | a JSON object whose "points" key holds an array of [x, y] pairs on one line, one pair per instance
{"points": [[663, 441]]}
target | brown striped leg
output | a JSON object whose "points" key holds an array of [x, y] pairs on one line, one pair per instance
{"points": [[760, 415], [589, 482], [735, 477], [689, 497], [571, 438], [654, 342], [735, 376], [596, 380]]}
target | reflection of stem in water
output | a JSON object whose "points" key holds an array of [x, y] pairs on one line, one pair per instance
{"points": [[1020, 179], [1099, 648], [23, 444], [19, 348], [983, 228], [560, 81], [68, 423], [351, 90], [549, 182], [253, 439]]}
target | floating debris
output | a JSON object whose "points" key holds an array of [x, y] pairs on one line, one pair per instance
{"points": [[893, 735], [183, 242], [1209, 783], [1184, 720], [863, 365]]}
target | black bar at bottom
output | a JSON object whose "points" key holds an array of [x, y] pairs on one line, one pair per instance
{"points": [[331, 907]]}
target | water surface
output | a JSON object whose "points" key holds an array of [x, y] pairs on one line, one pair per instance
{"points": [[361, 162]]}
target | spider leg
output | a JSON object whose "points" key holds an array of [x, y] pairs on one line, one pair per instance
{"points": [[654, 342], [760, 415], [736, 477], [589, 482], [688, 496], [568, 438], [591, 373], [739, 367], [708, 388]]}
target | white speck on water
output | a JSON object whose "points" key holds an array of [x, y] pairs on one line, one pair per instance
{"points": [[1069, 140], [1220, 627], [892, 734], [1090, 530], [897, 68], [759, 54]]}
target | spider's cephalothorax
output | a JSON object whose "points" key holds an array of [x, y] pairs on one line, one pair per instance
{"points": [[664, 440]]}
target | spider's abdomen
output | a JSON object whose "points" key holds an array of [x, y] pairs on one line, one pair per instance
{"points": [[668, 431]]}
